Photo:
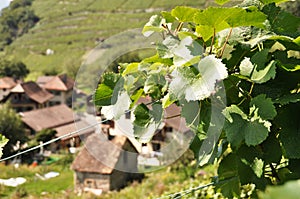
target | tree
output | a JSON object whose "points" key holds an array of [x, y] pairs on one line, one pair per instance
{"points": [[15, 69], [253, 49], [11, 127], [16, 20]]}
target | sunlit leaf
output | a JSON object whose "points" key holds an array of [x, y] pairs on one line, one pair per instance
{"points": [[154, 25], [183, 13]]}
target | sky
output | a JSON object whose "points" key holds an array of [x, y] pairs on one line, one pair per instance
{"points": [[4, 3]]}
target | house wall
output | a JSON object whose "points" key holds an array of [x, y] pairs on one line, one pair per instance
{"points": [[3, 93], [60, 97], [91, 180]]}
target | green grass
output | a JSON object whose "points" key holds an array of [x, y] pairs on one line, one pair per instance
{"points": [[71, 28], [168, 180], [35, 186]]}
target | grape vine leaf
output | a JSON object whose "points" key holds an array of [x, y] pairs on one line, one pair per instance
{"points": [[130, 68], [118, 109], [183, 13], [247, 68], [191, 113], [282, 22], [289, 121], [3, 142], [265, 106], [154, 25], [104, 93], [229, 183], [146, 121], [289, 98], [186, 84], [187, 52], [208, 23], [167, 15], [239, 126]]}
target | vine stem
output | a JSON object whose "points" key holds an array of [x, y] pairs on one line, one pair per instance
{"points": [[178, 27], [173, 116], [224, 46], [212, 41]]}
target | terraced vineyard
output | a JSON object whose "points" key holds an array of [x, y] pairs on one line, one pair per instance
{"points": [[71, 28]]}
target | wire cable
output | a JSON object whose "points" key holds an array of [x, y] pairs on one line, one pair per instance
{"points": [[64, 136]]}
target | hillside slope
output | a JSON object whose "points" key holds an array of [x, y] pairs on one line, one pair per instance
{"points": [[71, 28]]}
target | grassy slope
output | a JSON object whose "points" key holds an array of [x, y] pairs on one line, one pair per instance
{"points": [[72, 27], [159, 183]]}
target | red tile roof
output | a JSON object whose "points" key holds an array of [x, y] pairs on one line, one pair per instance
{"points": [[60, 83], [7, 83]]}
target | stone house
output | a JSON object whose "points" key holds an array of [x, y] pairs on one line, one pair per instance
{"points": [[61, 86], [28, 96], [106, 163]]}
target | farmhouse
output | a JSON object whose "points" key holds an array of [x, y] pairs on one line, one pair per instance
{"points": [[59, 118], [28, 96], [60, 86], [106, 163]]}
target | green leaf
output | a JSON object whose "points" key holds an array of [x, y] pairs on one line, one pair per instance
{"points": [[130, 68], [289, 190], [167, 101], [168, 16], [239, 127], [228, 174], [213, 20], [187, 52], [104, 92], [166, 48], [282, 22], [183, 13], [154, 85], [290, 98], [136, 96], [3, 142], [118, 109], [154, 25], [186, 84], [235, 131], [289, 122], [260, 58], [191, 113], [271, 150], [142, 116], [146, 121], [247, 68], [255, 133], [265, 74], [157, 112], [266, 109]]}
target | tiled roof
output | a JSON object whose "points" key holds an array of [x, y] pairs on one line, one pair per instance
{"points": [[50, 117], [36, 93], [7, 83], [99, 154], [60, 83], [74, 126]]}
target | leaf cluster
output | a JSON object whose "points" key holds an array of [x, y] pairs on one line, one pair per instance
{"points": [[253, 49]]}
